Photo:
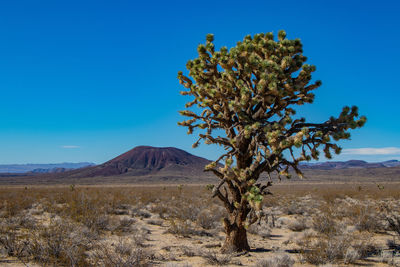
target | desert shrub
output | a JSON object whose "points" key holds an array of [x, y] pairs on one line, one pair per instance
{"points": [[9, 224], [139, 236], [325, 223], [96, 221], [351, 255], [335, 248], [262, 230], [366, 219], [62, 243], [155, 222], [189, 251], [27, 221], [125, 224], [179, 207], [120, 209], [119, 212], [162, 209], [364, 245], [88, 209], [9, 240], [277, 261], [388, 257], [209, 218], [298, 225], [181, 228], [143, 214], [325, 250], [36, 209], [214, 258], [184, 211], [21, 220], [16, 204], [122, 254], [394, 223], [295, 207], [12, 245]]}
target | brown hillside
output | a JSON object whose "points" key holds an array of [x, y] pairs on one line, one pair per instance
{"points": [[144, 160]]}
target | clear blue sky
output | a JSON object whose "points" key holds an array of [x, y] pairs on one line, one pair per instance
{"points": [[88, 80]]}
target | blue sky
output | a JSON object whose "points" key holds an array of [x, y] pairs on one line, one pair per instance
{"points": [[89, 80]]}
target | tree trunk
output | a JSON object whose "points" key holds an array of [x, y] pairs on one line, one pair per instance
{"points": [[236, 238]]}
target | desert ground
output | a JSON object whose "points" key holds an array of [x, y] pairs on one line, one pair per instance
{"points": [[304, 224]]}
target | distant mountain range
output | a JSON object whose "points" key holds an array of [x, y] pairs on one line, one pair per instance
{"points": [[331, 165], [42, 168], [52, 170], [146, 164]]}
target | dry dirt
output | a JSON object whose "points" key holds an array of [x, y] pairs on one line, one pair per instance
{"points": [[180, 226]]}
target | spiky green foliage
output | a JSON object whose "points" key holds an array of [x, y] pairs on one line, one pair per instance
{"points": [[250, 92]]}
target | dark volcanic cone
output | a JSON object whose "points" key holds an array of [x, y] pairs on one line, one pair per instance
{"points": [[144, 160]]}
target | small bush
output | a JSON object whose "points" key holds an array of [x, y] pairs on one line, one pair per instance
{"points": [[295, 207], [155, 222], [335, 248], [61, 243], [394, 223], [298, 225], [143, 214], [181, 228], [210, 218], [213, 258], [388, 257], [351, 255], [206, 220], [125, 224], [12, 245], [262, 230], [277, 261], [325, 224], [189, 251], [139, 236], [365, 219], [325, 250], [122, 254]]}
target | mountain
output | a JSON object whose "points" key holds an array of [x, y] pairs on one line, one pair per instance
{"points": [[24, 168], [391, 163], [161, 165], [147, 160], [330, 165], [52, 170]]}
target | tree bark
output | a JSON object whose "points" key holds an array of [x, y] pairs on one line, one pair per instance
{"points": [[236, 238]]}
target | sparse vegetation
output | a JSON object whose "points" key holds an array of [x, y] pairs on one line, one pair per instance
{"points": [[48, 232], [277, 261], [121, 254], [394, 223], [214, 258]]}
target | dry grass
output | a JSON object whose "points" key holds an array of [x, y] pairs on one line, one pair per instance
{"points": [[109, 226], [121, 254], [277, 261], [214, 258]]}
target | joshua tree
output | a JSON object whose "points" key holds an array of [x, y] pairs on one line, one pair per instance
{"points": [[246, 97]]}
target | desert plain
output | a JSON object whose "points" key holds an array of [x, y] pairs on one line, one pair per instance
{"points": [[303, 223]]}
